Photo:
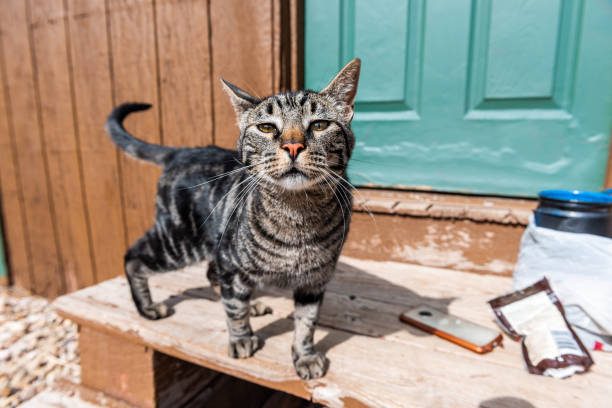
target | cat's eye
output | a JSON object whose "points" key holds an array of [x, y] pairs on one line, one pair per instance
{"points": [[266, 127], [319, 125]]}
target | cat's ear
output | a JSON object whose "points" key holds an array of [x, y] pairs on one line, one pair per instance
{"points": [[240, 99], [343, 88]]}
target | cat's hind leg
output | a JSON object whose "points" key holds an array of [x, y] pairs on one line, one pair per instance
{"points": [[151, 254], [256, 308]]}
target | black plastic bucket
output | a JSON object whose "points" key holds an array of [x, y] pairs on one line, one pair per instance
{"points": [[575, 211]]}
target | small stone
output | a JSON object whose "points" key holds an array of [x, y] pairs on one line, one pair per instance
{"points": [[18, 379], [5, 355], [5, 391], [11, 401], [26, 394]]}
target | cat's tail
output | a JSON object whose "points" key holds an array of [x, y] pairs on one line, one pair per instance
{"points": [[137, 148]]}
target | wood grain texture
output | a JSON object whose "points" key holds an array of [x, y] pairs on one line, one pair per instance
{"points": [[137, 374], [61, 143], [135, 79], [279, 16], [243, 52], [296, 44], [31, 160], [91, 77], [184, 65], [15, 238], [401, 367], [109, 363], [288, 39]]}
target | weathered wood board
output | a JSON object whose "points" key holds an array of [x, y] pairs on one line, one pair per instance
{"points": [[375, 360]]}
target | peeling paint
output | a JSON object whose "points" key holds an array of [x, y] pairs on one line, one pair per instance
{"points": [[331, 394], [548, 168], [429, 255], [457, 244], [441, 257]]}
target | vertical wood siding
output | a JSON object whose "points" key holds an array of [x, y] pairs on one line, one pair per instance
{"points": [[71, 204]]}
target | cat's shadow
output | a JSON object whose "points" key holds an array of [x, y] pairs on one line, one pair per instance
{"points": [[360, 303], [203, 292], [357, 302]]}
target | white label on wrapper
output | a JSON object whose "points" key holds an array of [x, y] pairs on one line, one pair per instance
{"points": [[537, 318]]}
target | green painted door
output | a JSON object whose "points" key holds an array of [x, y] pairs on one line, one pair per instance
{"points": [[485, 96], [3, 269]]}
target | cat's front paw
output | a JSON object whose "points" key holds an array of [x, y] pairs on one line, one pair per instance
{"points": [[310, 366], [243, 347], [156, 311]]}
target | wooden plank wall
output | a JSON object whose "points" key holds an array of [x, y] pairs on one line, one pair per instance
{"points": [[71, 204]]}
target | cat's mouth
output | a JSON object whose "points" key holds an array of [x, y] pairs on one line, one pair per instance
{"points": [[294, 179], [293, 171]]}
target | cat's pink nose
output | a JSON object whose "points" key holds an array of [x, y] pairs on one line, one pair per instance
{"points": [[293, 148]]}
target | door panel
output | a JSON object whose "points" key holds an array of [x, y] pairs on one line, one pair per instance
{"points": [[522, 60], [517, 37], [483, 96]]}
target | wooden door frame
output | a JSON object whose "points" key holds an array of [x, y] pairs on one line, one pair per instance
{"points": [[288, 45]]}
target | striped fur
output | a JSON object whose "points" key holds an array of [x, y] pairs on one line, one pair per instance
{"points": [[260, 215]]}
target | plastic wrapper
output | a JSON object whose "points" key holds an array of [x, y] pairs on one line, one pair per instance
{"points": [[536, 317]]}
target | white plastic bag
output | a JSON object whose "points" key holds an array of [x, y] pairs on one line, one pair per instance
{"points": [[579, 269]]}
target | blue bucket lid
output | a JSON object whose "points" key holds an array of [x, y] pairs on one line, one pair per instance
{"points": [[577, 196]]}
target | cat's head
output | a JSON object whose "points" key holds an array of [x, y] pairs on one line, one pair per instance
{"points": [[297, 140]]}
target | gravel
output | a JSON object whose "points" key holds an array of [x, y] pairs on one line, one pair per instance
{"points": [[36, 347]]}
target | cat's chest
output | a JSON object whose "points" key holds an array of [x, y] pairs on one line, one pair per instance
{"points": [[286, 254], [305, 265]]}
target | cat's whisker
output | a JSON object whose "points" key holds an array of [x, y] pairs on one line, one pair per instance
{"points": [[339, 204], [346, 194], [234, 187], [223, 198], [242, 198], [342, 191], [219, 176], [352, 187], [362, 204], [333, 162], [229, 173]]}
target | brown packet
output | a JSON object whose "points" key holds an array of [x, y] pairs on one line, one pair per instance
{"points": [[535, 316]]}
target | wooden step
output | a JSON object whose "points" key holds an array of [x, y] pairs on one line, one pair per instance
{"points": [[376, 361], [223, 391]]}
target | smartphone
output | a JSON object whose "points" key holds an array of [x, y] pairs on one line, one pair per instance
{"points": [[470, 335]]}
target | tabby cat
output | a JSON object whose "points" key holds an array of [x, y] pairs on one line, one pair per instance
{"points": [[276, 211]]}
